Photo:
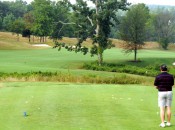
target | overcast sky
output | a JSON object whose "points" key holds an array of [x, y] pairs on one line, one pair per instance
{"points": [[155, 2]]}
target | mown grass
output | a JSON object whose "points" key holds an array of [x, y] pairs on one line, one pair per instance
{"points": [[25, 62], [75, 105], [70, 64], [67, 106], [53, 60]]}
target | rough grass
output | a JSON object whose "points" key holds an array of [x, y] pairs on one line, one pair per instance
{"points": [[66, 106], [10, 41], [96, 78]]}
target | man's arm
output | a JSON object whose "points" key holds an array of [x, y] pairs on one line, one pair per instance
{"points": [[156, 82]]}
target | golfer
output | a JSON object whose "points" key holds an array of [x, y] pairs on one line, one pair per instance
{"points": [[164, 83]]}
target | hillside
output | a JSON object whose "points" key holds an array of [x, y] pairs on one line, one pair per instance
{"points": [[10, 41]]}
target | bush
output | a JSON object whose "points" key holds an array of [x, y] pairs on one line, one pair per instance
{"points": [[151, 70]]}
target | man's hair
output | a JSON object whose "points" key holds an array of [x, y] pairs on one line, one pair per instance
{"points": [[163, 67]]}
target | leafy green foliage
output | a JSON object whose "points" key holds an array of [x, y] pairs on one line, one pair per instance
{"points": [[43, 12], [8, 21], [61, 15], [29, 20], [151, 70], [95, 23], [18, 26], [132, 28], [164, 26], [164, 42], [8, 9], [84, 49], [18, 8]]}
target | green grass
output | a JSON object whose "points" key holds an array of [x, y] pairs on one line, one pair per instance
{"points": [[66, 106], [52, 60], [72, 106], [40, 60], [70, 63]]}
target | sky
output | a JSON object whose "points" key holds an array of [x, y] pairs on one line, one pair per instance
{"points": [[154, 2]]}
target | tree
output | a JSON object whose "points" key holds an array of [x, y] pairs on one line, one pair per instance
{"points": [[29, 21], [132, 28], [164, 23], [150, 29], [43, 18], [17, 27], [95, 23], [18, 8], [4, 10], [8, 21], [61, 13]]}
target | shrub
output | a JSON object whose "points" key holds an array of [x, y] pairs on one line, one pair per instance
{"points": [[151, 70]]}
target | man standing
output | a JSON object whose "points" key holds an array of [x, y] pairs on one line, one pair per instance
{"points": [[164, 83]]}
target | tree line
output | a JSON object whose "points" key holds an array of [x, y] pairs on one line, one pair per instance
{"points": [[106, 19]]}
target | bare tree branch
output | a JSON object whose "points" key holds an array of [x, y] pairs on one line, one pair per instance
{"points": [[90, 20], [68, 23]]}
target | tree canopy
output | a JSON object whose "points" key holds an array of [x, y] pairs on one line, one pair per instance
{"points": [[165, 27], [104, 20], [95, 23], [132, 28]]}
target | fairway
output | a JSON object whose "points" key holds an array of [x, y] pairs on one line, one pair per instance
{"points": [[51, 60], [66, 106]]}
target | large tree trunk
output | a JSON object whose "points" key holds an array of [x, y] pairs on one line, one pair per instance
{"points": [[43, 39], [100, 51], [100, 56]]}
